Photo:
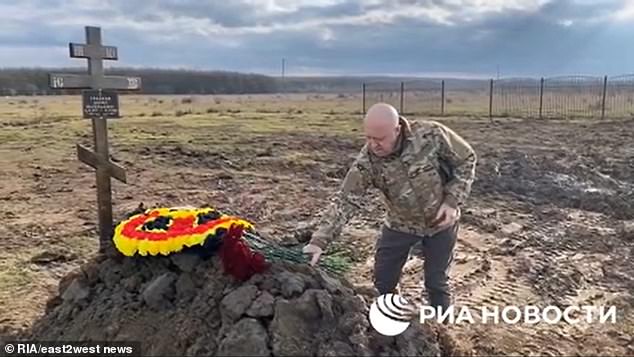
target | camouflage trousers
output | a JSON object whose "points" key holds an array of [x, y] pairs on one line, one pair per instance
{"points": [[392, 250]]}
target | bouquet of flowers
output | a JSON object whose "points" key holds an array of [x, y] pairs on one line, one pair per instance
{"points": [[207, 231]]}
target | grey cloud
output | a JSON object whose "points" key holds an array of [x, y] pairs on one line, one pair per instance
{"points": [[21, 33], [226, 13], [569, 9], [181, 33], [347, 8]]}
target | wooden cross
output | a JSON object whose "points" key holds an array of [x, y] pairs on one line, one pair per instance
{"points": [[99, 103]]}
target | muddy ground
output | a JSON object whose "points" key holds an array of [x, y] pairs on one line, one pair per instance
{"points": [[549, 221]]}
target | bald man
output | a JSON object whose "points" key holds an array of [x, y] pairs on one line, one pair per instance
{"points": [[425, 172]]}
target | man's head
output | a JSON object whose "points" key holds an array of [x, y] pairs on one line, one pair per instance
{"points": [[382, 128]]}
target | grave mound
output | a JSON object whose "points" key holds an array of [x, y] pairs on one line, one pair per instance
{"points": [[184, 305]]}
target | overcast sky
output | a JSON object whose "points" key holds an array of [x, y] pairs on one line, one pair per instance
{"points": [[354, 37]]}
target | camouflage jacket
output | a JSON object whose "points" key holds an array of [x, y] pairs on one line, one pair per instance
{"points": [[430, 165]]}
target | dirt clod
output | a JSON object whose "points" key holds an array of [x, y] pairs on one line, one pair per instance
{"points": [[159, 290]]}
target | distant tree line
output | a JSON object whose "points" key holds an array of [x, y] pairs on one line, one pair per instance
{"points": [[34, 81], [30, 81]]}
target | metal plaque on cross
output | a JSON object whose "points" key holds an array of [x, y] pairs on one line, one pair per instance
{"points": [[99, 103]]}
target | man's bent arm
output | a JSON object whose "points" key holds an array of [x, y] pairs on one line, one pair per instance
{"points": [[343, 205], [462, 158]]}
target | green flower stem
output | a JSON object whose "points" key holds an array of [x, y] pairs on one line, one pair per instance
{"points": [[336, 263]]}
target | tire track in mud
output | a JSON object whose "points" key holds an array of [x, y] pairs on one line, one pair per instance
{"points": [[496, 293], [542, 266], [478, 278], [504, 288], [552, 265], [488, 284], [483, 279], [561, 263], [574, 258], [573, 273]]}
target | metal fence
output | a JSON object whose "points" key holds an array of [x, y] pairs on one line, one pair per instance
{"points": [[517, 97], [384, 92], [573, 97], [619, 99], [555, 97], [424, 95]]}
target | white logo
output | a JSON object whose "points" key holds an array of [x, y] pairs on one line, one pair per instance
{"points": [[9, 348], [390, 314]]}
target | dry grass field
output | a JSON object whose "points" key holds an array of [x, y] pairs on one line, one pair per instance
{"points": [[550, 219]]}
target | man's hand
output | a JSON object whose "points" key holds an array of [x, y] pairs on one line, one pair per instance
{"points": [[315, 251], [446, 216]]}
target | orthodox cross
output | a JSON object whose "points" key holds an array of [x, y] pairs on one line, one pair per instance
{"points": [[100, 101]]}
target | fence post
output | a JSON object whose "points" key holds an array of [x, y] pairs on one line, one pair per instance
{"points": [[541, 97], [442, 98], [363, 86], [605, 89], [402, 94], [491, 100]]}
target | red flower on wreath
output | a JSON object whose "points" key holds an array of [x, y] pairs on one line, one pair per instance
{"points": [[237, 258]]}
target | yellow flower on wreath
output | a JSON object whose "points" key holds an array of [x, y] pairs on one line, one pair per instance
{"points": [[169, 230]]}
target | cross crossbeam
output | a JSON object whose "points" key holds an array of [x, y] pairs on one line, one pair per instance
{"points": [[83, 81], [78, 50], [95, 53], [95, 161]]}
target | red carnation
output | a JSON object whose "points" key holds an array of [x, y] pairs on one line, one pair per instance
{"points": [[237, 258]]}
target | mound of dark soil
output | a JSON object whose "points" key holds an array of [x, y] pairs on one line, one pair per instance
{"points": [[563, 179], [182, 305]]}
